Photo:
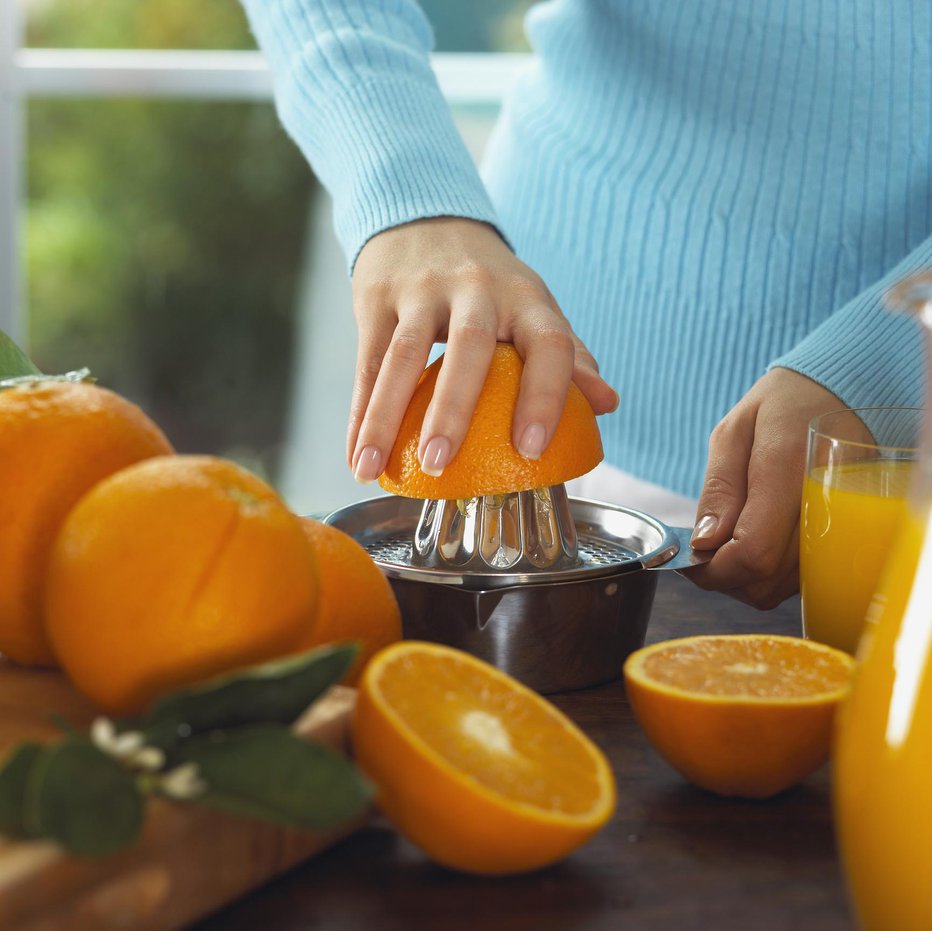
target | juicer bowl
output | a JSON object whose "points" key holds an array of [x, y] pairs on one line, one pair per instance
{"points": [[554, 629]]}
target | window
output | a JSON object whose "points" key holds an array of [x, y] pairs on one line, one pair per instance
{"points": [[174, 240]]}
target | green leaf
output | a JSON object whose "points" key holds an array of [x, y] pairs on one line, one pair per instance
{"points": [[267, 772], [279, 691], [62, 723], [13, 361], [84, 799], [14, 778]]}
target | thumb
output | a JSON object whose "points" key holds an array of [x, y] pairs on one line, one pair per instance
{"points": [[725, 487]]}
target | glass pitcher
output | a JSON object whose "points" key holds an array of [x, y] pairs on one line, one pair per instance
{"points": [[883, 754]]}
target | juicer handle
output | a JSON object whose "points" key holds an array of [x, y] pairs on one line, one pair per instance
{"points": [[685, 555]]}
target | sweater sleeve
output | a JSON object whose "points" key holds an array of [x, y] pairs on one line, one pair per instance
{"points": [[864, 353], [355, 90]]}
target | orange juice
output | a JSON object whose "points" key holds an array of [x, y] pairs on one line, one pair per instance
{"points": [[849, 518], [883, 755]]}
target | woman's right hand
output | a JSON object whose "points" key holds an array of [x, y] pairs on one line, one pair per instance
{"points": [[454, 280]]}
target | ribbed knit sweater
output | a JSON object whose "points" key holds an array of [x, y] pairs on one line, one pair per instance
{"points": [[709, 187]]}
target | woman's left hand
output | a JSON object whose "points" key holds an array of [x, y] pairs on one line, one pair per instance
{"points": [[749, 507]]}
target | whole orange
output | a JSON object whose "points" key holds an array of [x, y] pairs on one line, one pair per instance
{"points": [[356, 601], [172, 571], [487, 463], [57, 440]]}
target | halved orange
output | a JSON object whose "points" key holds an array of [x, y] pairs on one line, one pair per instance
{"points": [[487, 463], [745, 714], [480, 772]]}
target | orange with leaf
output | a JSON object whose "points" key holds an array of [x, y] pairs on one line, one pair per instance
{"points": [[487, 463], [172, 571]]}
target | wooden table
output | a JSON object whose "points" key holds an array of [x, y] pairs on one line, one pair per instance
{"points": [[673, 858]]}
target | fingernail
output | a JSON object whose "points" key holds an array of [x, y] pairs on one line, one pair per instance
{"points": [[368, 466], [436, 456], [616, 402], [704, 528], [532, 441]]}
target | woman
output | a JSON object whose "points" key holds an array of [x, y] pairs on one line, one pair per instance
{"points": [[715, 194]]}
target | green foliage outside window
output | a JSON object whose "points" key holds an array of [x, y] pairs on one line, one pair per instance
{"points": [[164, 239]]}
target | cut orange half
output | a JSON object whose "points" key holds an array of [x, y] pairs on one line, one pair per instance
{"points": [[487, 463], [480, 772], [747, 715]]}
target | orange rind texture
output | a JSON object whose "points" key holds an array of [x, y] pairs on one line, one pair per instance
{"points": [[356, 600]]}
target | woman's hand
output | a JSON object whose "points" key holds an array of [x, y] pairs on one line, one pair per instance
{"points": [[750, 501], [455, 281]]}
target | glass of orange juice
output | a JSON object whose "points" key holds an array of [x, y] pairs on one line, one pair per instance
{"points": [[854, 495]]}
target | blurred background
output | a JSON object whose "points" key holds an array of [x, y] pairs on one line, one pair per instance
{"points": [[182, 249]]}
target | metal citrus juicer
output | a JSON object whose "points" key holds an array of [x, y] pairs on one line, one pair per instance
{"points": [[554, 590]]}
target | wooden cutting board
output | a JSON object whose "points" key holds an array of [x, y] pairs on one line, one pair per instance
{"points": [[188, 862]]}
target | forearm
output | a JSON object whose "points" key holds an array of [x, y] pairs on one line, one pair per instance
{"points": [[355, 89], [864, 354]]}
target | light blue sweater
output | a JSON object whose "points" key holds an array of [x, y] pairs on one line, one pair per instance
{"points": [[709, 187]]}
